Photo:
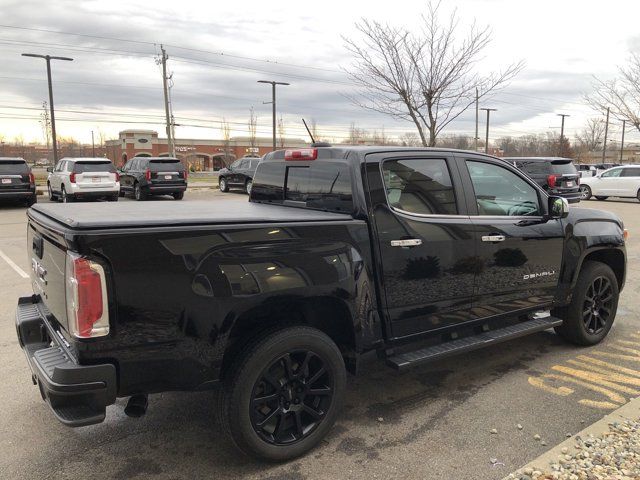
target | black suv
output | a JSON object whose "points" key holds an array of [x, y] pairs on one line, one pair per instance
{"points": [[558, 176], [239, 174], [145, 176], [17, 181]]}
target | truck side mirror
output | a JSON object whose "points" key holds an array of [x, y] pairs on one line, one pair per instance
{"points": [[558, 207]]}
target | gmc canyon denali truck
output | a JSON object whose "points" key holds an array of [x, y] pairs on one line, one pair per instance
{"points": [[416, 254]]}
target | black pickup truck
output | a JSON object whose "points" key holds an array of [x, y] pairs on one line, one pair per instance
{"points": [[415, 254]]}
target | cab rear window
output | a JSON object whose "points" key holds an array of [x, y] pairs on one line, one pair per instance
{"points": [[83, 167], [321, 185], [13, 167]]}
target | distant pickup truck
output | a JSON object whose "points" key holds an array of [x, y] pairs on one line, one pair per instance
{"points": [[416, 254]]}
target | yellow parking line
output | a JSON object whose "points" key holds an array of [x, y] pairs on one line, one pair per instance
{"points": [[617, 355], [614, 397], [632, 351], [608, 374], [594, 378], [610, 366], [539, 382]]}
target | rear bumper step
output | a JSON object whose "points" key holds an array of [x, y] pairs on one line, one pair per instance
{"points": [[428, 354], [77, 394]]}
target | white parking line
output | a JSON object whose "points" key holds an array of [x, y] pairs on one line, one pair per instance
{"points": [[13, 265]]}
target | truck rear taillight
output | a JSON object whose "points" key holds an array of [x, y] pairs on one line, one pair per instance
{"points": [[301, 154], [551, 180], [72, 177], [147, 174], [32, 179], [87, 307], [117, 177]]}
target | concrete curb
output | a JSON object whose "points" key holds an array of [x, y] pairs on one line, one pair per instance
{"points": [[629, 411]]}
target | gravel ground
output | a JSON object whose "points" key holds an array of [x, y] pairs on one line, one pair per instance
{"points": [[614, 455]]}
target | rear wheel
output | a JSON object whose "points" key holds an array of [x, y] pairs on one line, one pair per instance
{"points": [[222, 183], [247, 186], [585, 192], [121, 193], [589, 317], [31, 200], [113, 198], [64, 197], [283, 393], [600, 197], [138, 193], [178, 195], [638, 195]]}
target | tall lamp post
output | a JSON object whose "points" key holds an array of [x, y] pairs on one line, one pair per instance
{"points": [[48, 59], [273, 104]]}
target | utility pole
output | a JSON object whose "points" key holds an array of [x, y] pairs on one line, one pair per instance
{"points": [[560, 148], [486, 142], [170, 145], [48, 59], [624, 122], [93, 146], [606, 132], [273, 104], [476, 138]]}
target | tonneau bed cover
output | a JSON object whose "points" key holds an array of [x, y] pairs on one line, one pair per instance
{"points": [[101, 215]]}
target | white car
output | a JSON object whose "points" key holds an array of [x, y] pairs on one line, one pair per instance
{"points": [[616, 182], [83, 178]]}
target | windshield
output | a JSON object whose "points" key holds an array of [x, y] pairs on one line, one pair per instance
{"points": [[83, 167], [16, 167], [166, 165]]}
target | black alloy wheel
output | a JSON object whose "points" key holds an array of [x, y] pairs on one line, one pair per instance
{"points": [[598, 305], [291, 397]]}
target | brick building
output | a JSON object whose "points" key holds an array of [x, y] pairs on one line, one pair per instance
{"points": [[199, 155]]}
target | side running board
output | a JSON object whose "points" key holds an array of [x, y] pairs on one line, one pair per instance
{"points": [[401, 361]]}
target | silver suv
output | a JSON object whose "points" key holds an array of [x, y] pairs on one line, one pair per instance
{"points": [[83, 178]]}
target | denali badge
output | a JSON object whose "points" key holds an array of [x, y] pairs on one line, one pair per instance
{"points": [[531, 276]]}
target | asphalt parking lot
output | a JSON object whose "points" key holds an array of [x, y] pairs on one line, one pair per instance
{"points": [[432, 422]]}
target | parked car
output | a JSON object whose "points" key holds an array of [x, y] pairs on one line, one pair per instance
{"points": [[557, 176], [606, 166], [82, 179], [417, 254], [17, 181], [586, 170], [239, 174], [147, 176], [615, 182]]}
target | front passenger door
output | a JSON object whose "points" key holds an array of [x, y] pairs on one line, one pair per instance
{"points": [[519, 246]]}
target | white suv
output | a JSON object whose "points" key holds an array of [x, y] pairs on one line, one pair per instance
{"points": [[83, 178], [616, 182]]}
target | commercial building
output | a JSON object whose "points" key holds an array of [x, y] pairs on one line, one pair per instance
{"points": [[197, 154]]}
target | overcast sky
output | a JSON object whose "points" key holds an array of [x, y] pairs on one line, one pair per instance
{"points": [[218, 50]]}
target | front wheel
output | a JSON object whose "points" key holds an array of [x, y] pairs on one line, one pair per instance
{"points": [[178, 195], [223, 185], [585, 192], [283, 393], [589, 317], [600, 197], [65, 197], [248, 186]]}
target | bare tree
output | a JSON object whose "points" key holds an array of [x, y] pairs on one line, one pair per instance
{"points": [[426, 77], [592, 135], [621, 94], [410, 139], [281, 132], [45, 124], [253, 124]]}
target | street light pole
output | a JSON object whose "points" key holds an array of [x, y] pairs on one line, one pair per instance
{"points": [[561, 149], [273, 105], [48, 59], [93, 146], [486, 142]]}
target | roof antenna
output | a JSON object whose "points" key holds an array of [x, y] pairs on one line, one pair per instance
{"points": [[313, 140], [308, 131]]}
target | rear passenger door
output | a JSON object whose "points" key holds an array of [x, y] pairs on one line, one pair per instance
{"points": [[630, 182], [519, 249], [425, 240]]}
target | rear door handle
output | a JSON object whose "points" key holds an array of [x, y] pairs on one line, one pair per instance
{"points": [[493, 238], [409, 242]]}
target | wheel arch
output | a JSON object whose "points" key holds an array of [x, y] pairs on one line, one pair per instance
{"points": [[613, 257], [330, 315]]}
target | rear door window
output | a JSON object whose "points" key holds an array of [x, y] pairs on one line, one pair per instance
{"points": [[85, 167], [563, 168], [631, 172], [323, 185], [11, 167], [422, 186]]}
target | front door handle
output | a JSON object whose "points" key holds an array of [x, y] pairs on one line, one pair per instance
{"points": [[409, 242], [493, 238]]}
